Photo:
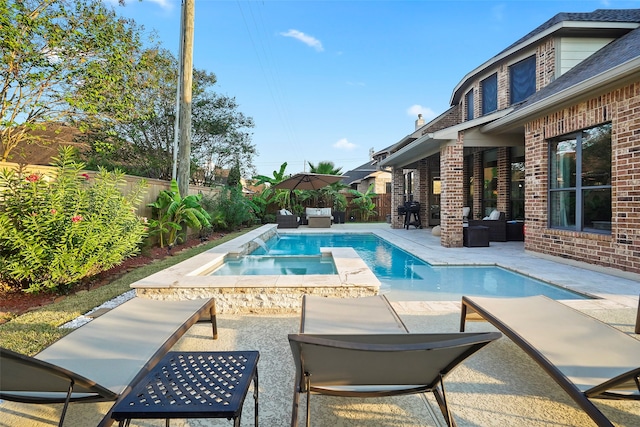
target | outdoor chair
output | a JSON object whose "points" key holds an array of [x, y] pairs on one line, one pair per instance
{"points": [[286, 219], [339, 353], [497, 223], [589, 359], [103, 359]]}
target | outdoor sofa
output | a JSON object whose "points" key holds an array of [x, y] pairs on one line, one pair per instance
{"points": [[359, 347], [286, 219], [104, 359], [589, 359], [497, 223], [319, 217]]}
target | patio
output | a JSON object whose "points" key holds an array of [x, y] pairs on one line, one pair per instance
{"points": [[500, 385]]}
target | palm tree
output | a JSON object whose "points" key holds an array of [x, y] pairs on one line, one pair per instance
{"points": [[330, 195], [281, 197]]}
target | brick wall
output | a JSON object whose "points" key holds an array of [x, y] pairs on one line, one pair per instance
{"points": [[451, 197], [621, 249], [546, 63], [397, 190]]}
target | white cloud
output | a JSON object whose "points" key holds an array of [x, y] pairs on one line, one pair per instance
{"points": [[497, 12], [164, 4], [343, 144], [427, 113], [306, 39], [356, 83]]}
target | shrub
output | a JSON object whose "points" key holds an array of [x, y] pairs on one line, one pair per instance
{"points": [[172, 212], [231, 208], [56, 231]]}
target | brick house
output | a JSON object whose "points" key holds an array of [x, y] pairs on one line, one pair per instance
{"points": [[548, 132]]}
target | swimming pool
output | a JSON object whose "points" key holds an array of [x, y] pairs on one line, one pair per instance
{"points": [[405, 277], [252, 265]]}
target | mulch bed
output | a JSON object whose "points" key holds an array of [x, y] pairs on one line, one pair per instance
{"points": [[13, 303]]}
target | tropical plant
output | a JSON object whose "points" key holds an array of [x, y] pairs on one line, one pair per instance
{"points": [[282, 198], [233, 206], [173, 212], [56, 231], [363, 203], [329, 196]]}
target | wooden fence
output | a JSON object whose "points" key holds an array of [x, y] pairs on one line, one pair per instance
{"points": [[154, 186]]}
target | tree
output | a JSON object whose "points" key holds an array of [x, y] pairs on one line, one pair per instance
{"points": [[325, 167], [329, 196], [281, 197], [65, 61], [144, 145]]}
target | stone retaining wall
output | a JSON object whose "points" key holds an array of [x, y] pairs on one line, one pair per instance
{"points": [[257, 294], [268, 300]]}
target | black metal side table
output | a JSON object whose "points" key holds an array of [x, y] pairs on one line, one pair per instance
{"points": [[193, 385]]}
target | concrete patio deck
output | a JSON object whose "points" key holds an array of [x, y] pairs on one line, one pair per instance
{"points": [[498, 386]]}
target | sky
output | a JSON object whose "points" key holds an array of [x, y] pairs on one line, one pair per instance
{"points": [[332, 80]]}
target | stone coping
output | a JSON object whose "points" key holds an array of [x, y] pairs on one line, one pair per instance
{"points": [[271, 293]]}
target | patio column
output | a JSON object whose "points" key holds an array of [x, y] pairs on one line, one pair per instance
{"points": [[423, 188], [397, 194], [452, 195]]}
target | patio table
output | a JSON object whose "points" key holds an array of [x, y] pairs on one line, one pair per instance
{"points": [[193, 385]]}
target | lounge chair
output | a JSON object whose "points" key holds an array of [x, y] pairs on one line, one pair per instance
{"points": [[359, 347], [586, 357], [103, 359]]}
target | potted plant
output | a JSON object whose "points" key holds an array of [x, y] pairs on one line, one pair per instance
{"points": [[339, 208]]}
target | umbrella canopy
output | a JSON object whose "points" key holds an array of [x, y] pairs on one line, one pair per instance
{"points": [[308, 181]]}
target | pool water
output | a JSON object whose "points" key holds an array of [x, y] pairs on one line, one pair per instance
{"points": [[407, 278], [276, 265]]}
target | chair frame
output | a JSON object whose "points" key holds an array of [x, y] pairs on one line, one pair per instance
{"points": [[48, 377], [367, 347], [379, 365], [541, 306]]}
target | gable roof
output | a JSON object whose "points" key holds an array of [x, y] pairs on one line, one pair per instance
{"points": [[611, 65], [359, 173], [598, 15], [609, 22]]}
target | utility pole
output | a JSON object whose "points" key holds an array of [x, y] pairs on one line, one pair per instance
{"points": [[186, 82]]}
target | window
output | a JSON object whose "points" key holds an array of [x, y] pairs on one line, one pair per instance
{"points": [[489, 94], [580, 181], [490, 185], [517, 183], [408, 186], [469, 100], [469, 167], [522, 79]]}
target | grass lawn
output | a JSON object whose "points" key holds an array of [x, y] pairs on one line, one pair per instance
{"points": [[31, 332]]}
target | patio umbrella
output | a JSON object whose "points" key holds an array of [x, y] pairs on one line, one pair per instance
{"points": [[308, 181]]}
